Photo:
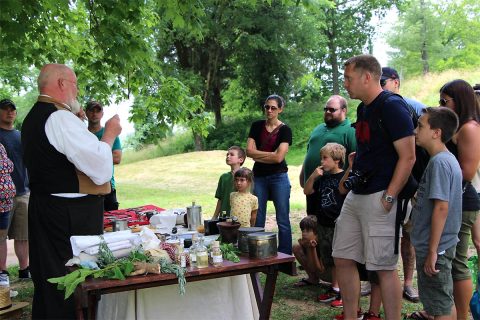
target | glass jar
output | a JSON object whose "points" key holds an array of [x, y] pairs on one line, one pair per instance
{"points": [[202, 254], [192, 251], [217, 259]]}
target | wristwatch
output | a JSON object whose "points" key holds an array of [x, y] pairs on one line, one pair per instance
{"points": [[388, 198]]}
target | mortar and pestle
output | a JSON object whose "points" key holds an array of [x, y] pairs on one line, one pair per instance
{"points": [[229, 231]]}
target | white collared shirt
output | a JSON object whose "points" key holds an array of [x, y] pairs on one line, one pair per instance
{"points": [[69, 136]]}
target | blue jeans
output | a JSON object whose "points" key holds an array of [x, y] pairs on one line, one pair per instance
{"points": [[275, 187]]}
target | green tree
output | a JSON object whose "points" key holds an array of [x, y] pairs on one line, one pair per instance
{"points": [[348, 32], [109, 45], [436, 36]]}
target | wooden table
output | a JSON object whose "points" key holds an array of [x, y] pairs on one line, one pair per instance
{"points": [[88, 293]]}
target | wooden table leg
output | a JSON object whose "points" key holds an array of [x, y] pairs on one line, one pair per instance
{"points": [[257, 288], [266, 305]]}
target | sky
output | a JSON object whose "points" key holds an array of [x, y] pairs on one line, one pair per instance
{"points": [[380, 49], [123, 110]]}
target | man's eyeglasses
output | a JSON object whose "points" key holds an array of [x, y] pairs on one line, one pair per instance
{"points": [[443, 102], [267, 107], [331, 110]]}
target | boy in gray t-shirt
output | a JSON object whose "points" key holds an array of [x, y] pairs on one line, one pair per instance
{"points": [[437, 214]]}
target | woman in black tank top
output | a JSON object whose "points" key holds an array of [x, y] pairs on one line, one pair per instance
{"points": [[459, 96]]}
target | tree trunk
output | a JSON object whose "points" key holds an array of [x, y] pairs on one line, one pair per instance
{"points": [[424, 53], [198, 141], [330, 33]]}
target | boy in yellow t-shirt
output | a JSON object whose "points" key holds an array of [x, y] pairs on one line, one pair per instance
{"points": [[243, 204]]}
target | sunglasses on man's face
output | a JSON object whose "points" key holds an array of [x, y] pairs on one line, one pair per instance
{"points": [[443, 101], [383, 82], [331, 110], [267, 107]]}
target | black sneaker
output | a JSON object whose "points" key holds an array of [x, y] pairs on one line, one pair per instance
{"points": [[4, 272], [24, 274]]}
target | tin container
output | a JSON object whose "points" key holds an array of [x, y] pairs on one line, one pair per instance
{"points": [[243, 237], [120, 224], [262, 245], [194, 217]]}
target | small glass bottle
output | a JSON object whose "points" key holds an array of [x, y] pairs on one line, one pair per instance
{"points": [[181, 256], [217, 259], [5, 289], [202, 254], [192, 251]]}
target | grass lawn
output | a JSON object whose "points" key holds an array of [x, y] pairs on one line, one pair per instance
{"points": [[176, 181]]}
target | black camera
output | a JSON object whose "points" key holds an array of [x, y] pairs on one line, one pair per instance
{"points": [[356, 178]]}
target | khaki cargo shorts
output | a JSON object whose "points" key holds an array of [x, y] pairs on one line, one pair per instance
{"points": [[18, 228], [365, 232]]}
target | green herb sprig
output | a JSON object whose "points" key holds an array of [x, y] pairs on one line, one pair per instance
{"points": [[166, 267], [230, 252]]}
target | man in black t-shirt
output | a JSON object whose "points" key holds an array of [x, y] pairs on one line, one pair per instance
{"points": [[365, 228]]}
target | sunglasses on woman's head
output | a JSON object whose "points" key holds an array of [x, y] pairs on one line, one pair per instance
{"points": [[267, 107], [443, 102]]}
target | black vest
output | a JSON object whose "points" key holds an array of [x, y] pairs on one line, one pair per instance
{"points": [[49, 171]]}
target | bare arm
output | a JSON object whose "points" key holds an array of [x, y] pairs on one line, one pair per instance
{"points": [[312, 257], [308, 189], [117, 156], [253, 218], [217, 209], [301, 177], [405, 148], [468, 140], [439, 216], [341, 189], [266, 157]]}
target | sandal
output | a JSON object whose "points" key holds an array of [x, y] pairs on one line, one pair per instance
{"points": [[419, 315], [303, 283]]}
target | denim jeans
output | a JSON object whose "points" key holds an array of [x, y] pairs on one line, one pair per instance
{"points": [[275, 187]]}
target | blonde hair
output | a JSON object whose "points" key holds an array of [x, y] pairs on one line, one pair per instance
{"points": [[335, 151]]}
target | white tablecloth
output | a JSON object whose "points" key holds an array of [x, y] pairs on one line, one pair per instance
{"points": [[222, 298]]}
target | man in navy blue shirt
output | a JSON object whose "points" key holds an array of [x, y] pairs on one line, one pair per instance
{"points": [[385, 154], [18, 224]]}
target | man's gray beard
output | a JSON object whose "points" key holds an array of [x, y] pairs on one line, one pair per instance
{"points": [[75, 105]]}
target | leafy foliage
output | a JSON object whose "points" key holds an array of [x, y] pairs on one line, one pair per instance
{"points": [[230, 252], [437, 36], [117, 269]]}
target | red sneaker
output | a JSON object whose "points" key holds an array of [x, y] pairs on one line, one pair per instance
{"points": [[341, 316], [371, 316], [337, 303], [327, 297]]}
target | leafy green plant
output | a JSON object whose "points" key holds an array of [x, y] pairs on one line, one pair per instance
{"points": [[114, 269], [230, 252]]}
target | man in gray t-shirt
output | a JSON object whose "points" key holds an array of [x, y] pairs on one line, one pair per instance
{"points": [[442, 180]]}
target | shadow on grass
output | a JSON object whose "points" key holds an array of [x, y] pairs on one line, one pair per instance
{"points": [[299, 303]]}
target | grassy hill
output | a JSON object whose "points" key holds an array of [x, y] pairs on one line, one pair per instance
{"points": [[176, 181]]}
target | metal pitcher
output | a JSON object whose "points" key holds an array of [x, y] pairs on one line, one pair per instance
{"points": [[194, 217]]}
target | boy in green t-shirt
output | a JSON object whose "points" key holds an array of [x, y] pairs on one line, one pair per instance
{"points": [[235, 158]]}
